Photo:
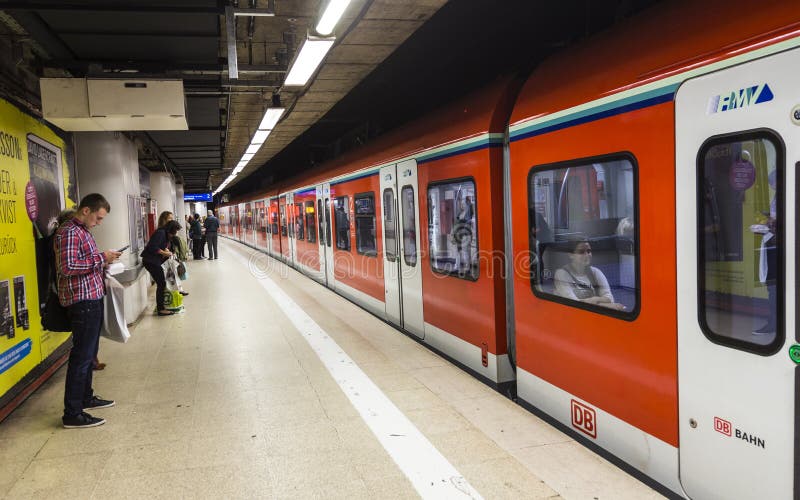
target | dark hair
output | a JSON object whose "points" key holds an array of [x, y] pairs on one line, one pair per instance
{"points": [[196, 216], [172, 227], [572, 244], [94, 202]]}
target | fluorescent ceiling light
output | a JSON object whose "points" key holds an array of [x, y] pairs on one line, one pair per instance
{"points": [[271, 117], [311, 55], [237, 170], [260, 137], [333, 12], [247, 156], [242, 163], [253, 149]]}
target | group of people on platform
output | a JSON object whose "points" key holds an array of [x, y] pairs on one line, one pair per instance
{"points": [[203, 232], [78, 270]]}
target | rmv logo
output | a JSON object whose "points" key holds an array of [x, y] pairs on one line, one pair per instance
{"points": [[584, 419], [741, 98]]}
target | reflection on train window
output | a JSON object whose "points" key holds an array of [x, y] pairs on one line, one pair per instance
{"points": [[320, 222], [409, 225], [310, 224], [328, 222], [583, 248], [740, 244], [366, 239], [389, 225], [283, 219], [299, 221], [342, 221], [274, 221], [452, 228]]}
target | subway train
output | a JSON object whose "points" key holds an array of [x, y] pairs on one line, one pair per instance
{"points": [[610, 240]]}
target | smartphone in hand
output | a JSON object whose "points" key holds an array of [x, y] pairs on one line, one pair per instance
{"points": [[123, 248]]}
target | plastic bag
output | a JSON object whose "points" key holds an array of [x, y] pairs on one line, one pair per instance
{"points": [[114, 326]]}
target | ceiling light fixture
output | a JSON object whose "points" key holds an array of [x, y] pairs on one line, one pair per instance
{"points": [[260, 137], [247, 157], [333, 12], [252, 149], [270, 119], [308, 59]]}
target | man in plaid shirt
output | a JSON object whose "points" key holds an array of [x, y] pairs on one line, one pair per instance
{"points": [[80, 269]]}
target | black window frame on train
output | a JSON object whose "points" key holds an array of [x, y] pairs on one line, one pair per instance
{"points": [[630, 315], [780, 167], [454, 274], [404, 249], [320, 222], [299, 221], [360, 217], [390, 251], [336, 223], [311, 234]]}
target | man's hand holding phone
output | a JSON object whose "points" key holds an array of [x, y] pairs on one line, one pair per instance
{"points": [[112, 255]]}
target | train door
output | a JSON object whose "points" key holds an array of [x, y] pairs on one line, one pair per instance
{"points": [[737, 148], [391, 244], [319, 204], [326, 255], [291, 221], [402, 276]]}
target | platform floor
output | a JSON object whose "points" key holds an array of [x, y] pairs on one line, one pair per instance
{"points": [[230, 400]]}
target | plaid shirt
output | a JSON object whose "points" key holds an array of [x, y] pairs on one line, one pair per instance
{"points": [[79, 264]]}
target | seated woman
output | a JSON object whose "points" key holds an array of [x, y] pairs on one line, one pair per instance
{"points": [[579, 281]]}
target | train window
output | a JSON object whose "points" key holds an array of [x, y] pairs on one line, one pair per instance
{"points": [[274, 222], [310, 223], [299, 223], [328, 222], [740, 243], [366, 239], [452, 228], [583, 234], [409, 225], [283, 219], [342, 221], [389, 225], [320, 222]]}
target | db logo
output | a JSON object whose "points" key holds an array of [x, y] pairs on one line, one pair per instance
{"points": [[722, 426], [584, 419]]}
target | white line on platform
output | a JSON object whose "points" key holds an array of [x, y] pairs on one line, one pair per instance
{"points": [[428, 470]]}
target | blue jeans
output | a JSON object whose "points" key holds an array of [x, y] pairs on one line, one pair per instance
{"points": [[87, 318]]}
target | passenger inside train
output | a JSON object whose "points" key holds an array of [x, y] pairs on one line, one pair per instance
{"points": [[581, 218], [580, 281]]}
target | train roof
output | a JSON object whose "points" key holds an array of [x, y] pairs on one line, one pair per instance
{"points": [[665, 41], [478, 113]]}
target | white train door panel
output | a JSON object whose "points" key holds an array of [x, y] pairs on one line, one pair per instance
{"points": [[328, 251], [737, 148], [291, 225], [319, 205], [410, 262], [391, 244]]}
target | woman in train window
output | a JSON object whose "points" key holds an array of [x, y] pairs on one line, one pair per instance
{"points": [[578, 280]]}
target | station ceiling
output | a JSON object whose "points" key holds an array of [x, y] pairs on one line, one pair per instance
{"points": [[392, 60]]}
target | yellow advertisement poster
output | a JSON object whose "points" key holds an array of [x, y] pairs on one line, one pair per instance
{"points": [[36, 183]]}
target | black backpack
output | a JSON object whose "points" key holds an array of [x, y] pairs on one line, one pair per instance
{"points": [[55, 317]]}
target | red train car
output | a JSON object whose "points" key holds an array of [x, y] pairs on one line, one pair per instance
{"points": [[613, 239]]}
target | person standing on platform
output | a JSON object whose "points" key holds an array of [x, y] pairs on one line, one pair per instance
{"points": [[212, 227], [80, 269], [196, 232]]}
